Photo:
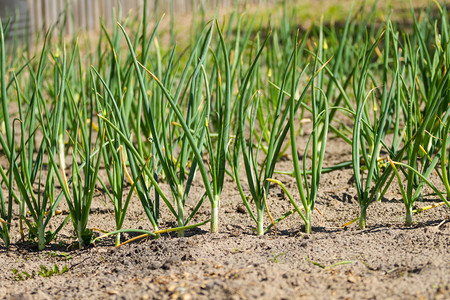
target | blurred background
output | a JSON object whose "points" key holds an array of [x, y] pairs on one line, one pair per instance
{"points": [[26, 22], [28, 16]]}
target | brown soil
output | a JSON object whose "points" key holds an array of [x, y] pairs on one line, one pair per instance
{"points": [[388, 260]]}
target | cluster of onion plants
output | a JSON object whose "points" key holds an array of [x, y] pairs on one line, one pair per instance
{"points": [[400, 85], [426, 92], [152, 117]]}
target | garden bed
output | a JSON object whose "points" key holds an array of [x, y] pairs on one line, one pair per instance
{"points": [[251, 163], [386, 260]]}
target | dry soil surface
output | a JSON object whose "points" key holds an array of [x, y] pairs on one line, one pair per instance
{"points": [[388, 260]]}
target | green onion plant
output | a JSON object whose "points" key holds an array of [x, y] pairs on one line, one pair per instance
{"points": [[369, 131], [320, 115]]}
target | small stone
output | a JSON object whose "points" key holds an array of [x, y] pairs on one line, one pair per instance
{"points": [[186, 297]]}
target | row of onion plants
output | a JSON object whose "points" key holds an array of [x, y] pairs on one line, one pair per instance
{"points": [[232, 103]]}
